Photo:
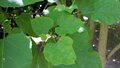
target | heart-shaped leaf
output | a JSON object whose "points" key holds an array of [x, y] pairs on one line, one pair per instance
{"points": [[84, 52], [41, 25], [61, 52]]}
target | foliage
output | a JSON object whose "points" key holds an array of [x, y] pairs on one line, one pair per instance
{"points": [[66, 36]]}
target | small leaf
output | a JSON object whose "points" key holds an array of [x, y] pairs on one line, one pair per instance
{"points": [[54, 14], [68, 24], [61, 52], [41, 25], [7, 27], [3, 17]]}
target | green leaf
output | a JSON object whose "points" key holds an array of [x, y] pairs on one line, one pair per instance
{"points": [[68, 24], [15, 51], [106, 11], [56, 11], [1, 53], [54, 14], [3, 17], [100, 10], [85, 60], [85, 6], [61, 52], [17, 3], [24, 23], [84, 52], [41, 25], [7, 27], [15, 30]]}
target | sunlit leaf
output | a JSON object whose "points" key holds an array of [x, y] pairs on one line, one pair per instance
{"points": [[61, 52], [41, 25], [84, 52], [68, 24]]}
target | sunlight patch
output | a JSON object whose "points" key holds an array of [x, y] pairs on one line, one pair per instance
{"points": [[52, 1], [81, 29], [19, 2]]}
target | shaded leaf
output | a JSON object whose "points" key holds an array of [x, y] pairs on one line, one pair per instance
{"points": [[7, 27], [24, 23], [15, 51]]}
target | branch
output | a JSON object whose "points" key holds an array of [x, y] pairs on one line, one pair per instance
{"points": [[113, 51], [103, 43]]}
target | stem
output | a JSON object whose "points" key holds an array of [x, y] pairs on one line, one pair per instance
{"points": [[113, 51], [92, 27], [103, 43]]}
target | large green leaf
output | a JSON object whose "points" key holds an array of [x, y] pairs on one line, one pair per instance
{"points": [[42, 25], [17, 3], [68, 24], [15, 51], [105, 11], [61, 52], [86, 56]]}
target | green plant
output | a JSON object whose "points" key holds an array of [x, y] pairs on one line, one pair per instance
{"points": [[66, 35]]}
